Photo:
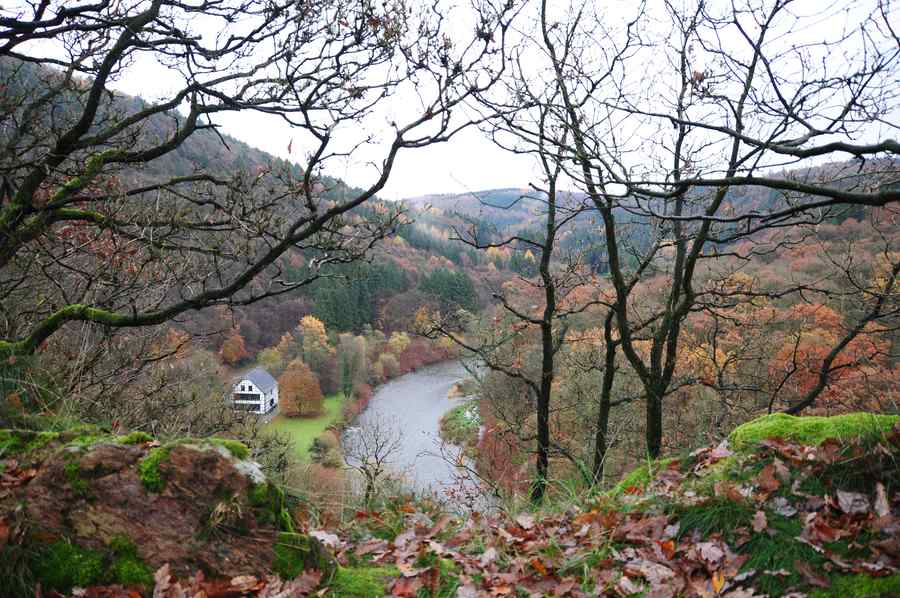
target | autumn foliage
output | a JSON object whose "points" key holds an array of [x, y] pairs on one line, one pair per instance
{"points": [[299, 392]]}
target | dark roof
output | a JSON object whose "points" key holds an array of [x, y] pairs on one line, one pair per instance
{"points": [[259, 377]]}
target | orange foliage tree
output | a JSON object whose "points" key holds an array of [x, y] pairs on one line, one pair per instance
{"points": [[234, 349], [298, 391]]}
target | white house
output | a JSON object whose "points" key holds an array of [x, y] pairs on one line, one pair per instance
{"points": [[256, 392]]}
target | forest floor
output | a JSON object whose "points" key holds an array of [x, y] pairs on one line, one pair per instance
{"points": [[303, 430], [792, 507]]}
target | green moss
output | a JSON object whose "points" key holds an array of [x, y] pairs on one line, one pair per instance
{"points": [[237, 448], [24, 441], [136, 437], [860, 586], [362, 582], [295, 553], [811, 430], [63, 565], [127, 568], [269, 502], [640, 477], [73, 476], [148, 468], [130, 571]]}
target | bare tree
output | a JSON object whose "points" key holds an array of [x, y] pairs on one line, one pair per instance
{"points": [[688, 125], [94, 228], [370, 449]]}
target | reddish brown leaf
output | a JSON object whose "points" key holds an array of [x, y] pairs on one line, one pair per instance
{"points": [[406, 587], [767, 480]]}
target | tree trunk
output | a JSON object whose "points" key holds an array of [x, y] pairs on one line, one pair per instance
{"points": [[654, 423], [601, 442]]}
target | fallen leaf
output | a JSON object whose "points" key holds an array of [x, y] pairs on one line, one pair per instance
{"points": [[525, 521], [767, 480], [882, 506], [488, 556], [718, 581], [782, 506], [244, 583], [811, 577], [760, 522], [853, 503], [405, 587]]}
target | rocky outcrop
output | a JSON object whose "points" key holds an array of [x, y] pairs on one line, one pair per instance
{"points": [[96, 508]]}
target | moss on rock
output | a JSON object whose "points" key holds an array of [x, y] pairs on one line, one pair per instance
{"points": [[295, 553], [811, 429], [136, 437], [269, 502], [640, 477], [24, 441], [148, 468], [127, 568], [238, 449], [63, 565]]}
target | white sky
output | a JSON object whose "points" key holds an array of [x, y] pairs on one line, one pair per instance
{"points": [[469, 162]]}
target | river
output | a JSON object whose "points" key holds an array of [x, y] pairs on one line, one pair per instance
{"points": [[412, 405]]}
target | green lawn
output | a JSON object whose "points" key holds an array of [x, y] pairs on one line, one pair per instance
{"points": [[304, 430]]}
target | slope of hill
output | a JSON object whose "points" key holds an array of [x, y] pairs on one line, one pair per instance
{"points": [[788, 507]]}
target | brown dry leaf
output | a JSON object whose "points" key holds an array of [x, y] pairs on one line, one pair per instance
{"points": [[488, 556], [245, 583], [538, 566], [406, 587], [767, 480], [812, 578], [760, 522], [668, 548], [853, 503], [654, 573], [710, 552], [781, 471], [467, 590], [525, 521]]}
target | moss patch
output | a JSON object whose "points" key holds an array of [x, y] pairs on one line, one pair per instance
{"points": [[640, 477], [134, 438], [127, 568], [811, 430], [860, 586], [63, 565], [237, 448], [362, 582], [73, 477], [24, 441], [148, 468], [269, 502], [295, 553]]}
